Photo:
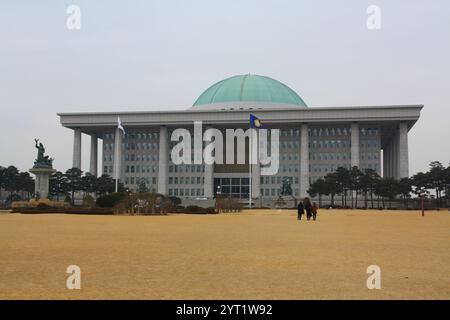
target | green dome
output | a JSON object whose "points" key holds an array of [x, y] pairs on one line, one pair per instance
{"points": [[250, 88]]}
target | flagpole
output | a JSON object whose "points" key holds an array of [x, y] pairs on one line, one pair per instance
{"points": [[250, 158], [117, 150], [116, 161]]}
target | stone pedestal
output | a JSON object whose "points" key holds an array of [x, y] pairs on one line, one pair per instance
{"points": [[285, 202], [41, 185]]}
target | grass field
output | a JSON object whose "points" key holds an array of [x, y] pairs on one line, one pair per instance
{"points": [[252, 255]]}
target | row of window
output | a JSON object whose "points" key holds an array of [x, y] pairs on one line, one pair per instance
{"points": [[231, 181], [288, 145], [185, 192], [330, 156], [283, 145], [340, 144], [292, 132], [329, 144], [369, 156], [277, 180], [134, 135], [342, 156], [141, 146], [284, 157], [325, 168], [187, 168], [186, 180], [133, 157], [139, 180], [318, 132], [272, 192], [143, 169], [289, 156], [133, 146], [141, 157]]}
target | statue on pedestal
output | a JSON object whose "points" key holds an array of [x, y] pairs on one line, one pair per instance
{"points": [[285, 193], [42, 169]]}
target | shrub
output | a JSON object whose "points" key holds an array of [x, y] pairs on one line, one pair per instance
{"points": [[179, 209], [110, 200], [195, 209], [43, 207], [228, 205], [175, 201], [88, 201], [94, 211], [211, 210]]}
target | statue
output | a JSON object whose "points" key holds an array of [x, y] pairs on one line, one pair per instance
{"points": [[42, 161], [43, 169], [286, 188]]}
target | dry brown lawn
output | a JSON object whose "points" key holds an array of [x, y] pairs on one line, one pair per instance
{"points": [[252, 255]]}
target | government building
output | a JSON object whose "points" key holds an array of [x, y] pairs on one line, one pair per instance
{"points": [[313, 141]]}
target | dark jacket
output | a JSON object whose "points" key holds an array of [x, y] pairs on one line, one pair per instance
{"points": [[300, 208], [308, 209]]}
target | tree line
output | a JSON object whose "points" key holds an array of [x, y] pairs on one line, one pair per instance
{"points": [[352, 184], [61, 184], [67, 184], [13, 181]]}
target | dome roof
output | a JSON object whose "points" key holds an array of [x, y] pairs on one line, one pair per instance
{"points": [[249, 88]]}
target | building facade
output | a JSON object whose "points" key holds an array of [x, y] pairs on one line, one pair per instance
{"points": [[313, 141]]}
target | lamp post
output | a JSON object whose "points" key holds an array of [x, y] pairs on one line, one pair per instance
{"points": [[422, 196], [218, 198], [218, 192]]}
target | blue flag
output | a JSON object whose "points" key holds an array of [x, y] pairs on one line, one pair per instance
{"points": [[255, 122]]}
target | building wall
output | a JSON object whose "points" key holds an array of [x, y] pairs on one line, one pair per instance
{"points": [[329, 148], [140, 157]]}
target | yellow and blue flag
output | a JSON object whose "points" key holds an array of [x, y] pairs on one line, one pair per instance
{"points": [[255, 122]]}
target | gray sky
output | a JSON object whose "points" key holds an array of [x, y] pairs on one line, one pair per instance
{"points": [[148, 55]]}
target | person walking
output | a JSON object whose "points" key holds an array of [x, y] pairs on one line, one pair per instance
{"points": [[314, 211], [308, 208], [300, 211]]}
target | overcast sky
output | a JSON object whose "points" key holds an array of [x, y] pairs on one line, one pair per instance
{"points": [[150, 55]]}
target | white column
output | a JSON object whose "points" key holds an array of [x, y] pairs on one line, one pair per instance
{"points": [[76, 163], [94, 155], [403, 150], [256, 168], [385, 157], [117, 169], [355, 145], [208, 187], [304, 160], [395, 156], [391, 159], [163, 173]]}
